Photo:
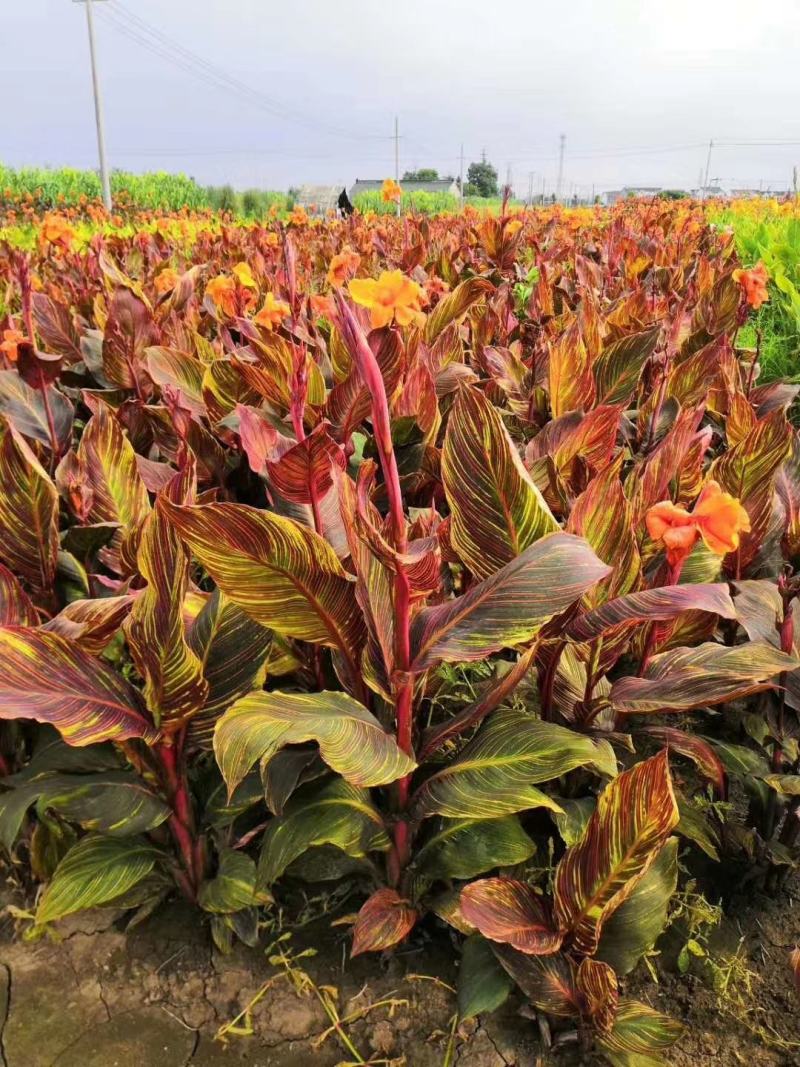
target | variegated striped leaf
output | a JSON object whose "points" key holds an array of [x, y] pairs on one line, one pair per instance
{"points": [[91, 623], [496, 509], [351, 740], [385, 919], [548, 982], [282, 574], [24, 408], [510, 911], [650, 605], [28, 512], [337, 814], [749, 472], [603, 516], [496, 773], [49, 678], [455, 305], [509, 607], [617, 370], [708, 674], [637, 923], [173, 675], [694, 748], [16, 608], [118, 492], [95, 871], [599, 992], [639, 1035], [635, 815], [233, 650], [571, 384]]}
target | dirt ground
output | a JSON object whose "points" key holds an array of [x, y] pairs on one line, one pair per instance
{"points": [[157, 995]]}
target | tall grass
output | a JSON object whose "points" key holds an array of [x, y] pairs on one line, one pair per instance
{"points": [[770, 231]]}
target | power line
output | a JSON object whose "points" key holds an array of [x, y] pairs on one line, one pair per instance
{"points": [[137, 29]]}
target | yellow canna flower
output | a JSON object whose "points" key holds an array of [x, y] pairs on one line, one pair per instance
{"points": [[244, 275], [391, 193], [272, 313], [393, 296]]}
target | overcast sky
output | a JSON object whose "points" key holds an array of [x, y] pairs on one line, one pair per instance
{"points": [[637, 86]]}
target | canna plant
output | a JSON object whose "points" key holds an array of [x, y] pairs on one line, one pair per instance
{"points": [[454, 556]]}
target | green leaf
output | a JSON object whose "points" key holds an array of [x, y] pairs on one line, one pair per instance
{"points": [[509, 607], [234, 886], [573, 818], [351, 740], [635, 926], [337, 814], [464, 848], [695, 827], [483, 984], [233, 650], [116, 803], [496, 773], [95, 871]]}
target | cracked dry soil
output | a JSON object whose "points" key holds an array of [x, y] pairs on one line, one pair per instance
{"points": [[155, 997]]}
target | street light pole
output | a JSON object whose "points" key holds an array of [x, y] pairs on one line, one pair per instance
{"points": [[98, 107]]}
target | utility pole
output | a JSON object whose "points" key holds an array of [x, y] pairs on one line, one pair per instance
{"points": [[397, 156], [708, 168], [530, 188], [794, 180], [461, 179], [561, 139], [98, 106]]}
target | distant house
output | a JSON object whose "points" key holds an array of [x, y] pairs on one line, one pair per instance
{"points": [[319, 199], [442, 185], [629, 192]]}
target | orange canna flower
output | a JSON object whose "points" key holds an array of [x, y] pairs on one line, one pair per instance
{"points": [[57, 231], [272, 313], [343, 265], [513, 227], [717, 517], [222, 291], [244, 276], [720, 518], [754, 283], [298, 216], [391, 193], [392, 296], [322, 306], [166, 280], [10, 343]]}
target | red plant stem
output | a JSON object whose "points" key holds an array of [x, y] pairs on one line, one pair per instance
{"points": [[181, 821], [404, 685]]}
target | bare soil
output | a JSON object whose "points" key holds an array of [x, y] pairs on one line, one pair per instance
{"points": [[157, 995]]}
